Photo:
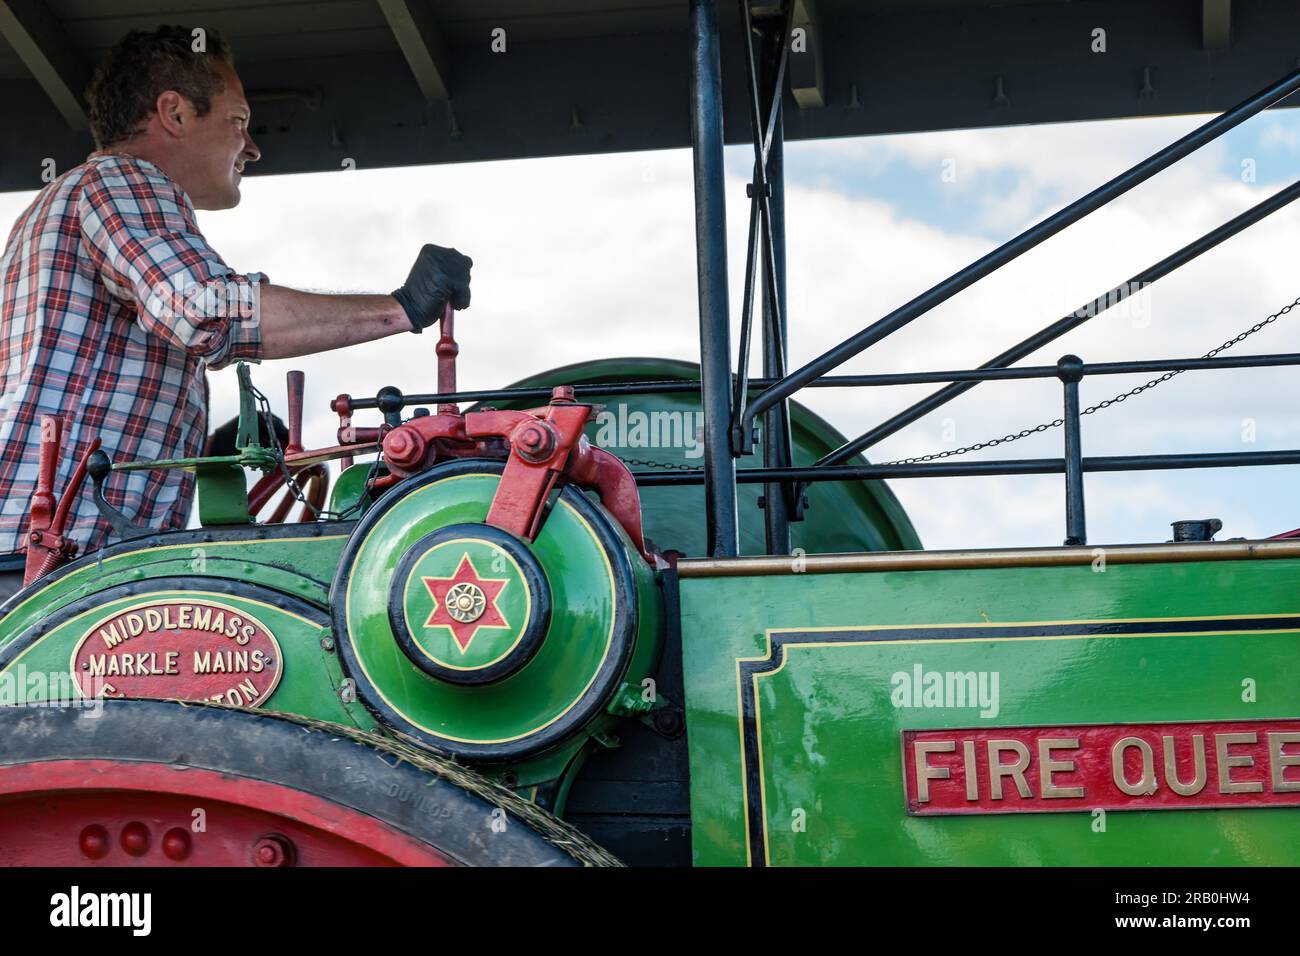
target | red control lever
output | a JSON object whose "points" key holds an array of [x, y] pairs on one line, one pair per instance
{"points": [[295, 387], [47, 548], [447, 351]]}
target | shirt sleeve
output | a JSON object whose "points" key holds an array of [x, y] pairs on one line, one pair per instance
{"points": [[140, 231]]}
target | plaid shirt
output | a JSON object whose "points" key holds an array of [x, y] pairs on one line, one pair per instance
{"points": [[111, 306]]}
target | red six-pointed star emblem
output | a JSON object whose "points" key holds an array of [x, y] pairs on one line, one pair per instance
{"points": [[464, 631]]}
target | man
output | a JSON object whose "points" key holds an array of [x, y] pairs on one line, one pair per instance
{"points": [[112, 304]]}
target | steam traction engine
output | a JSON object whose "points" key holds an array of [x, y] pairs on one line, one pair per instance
{"points": [[464, 601]]}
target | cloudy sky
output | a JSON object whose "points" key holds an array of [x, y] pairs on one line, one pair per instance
{"points": [[593, 257]]}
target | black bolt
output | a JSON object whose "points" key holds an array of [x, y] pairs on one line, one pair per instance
{"points": [[98, 466], [668, 720]]}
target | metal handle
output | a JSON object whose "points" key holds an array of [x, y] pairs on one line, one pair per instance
{"points": [[447, 350], [296, 383]]}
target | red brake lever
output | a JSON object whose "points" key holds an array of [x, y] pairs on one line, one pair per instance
{"points": [[47, 548], [447, 351]]}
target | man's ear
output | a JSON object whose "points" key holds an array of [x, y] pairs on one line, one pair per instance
{"points": [[172, 109]]}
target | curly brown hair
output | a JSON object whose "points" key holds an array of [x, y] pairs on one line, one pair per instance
{"points": [[141, 67]]}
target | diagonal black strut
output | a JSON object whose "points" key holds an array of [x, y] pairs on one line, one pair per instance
{"points": [[760, 191], [1009, 251], [1076, 318]]}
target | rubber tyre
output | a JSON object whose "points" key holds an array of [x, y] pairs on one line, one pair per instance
{"points": [[322, 761]]}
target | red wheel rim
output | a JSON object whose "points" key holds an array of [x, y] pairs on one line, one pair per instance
{"points": [[124, 813], [313, 481]]}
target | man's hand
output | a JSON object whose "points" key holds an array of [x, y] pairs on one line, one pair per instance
{"points": [[296, 323], [439, 276]]}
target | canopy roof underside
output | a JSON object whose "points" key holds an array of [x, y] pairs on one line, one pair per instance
{"points": [[399, 82]]}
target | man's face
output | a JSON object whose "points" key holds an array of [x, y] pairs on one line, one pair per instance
{"points": [[219, 146]]}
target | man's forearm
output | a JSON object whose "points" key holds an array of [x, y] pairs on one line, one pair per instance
{"points": [[297, 323]]}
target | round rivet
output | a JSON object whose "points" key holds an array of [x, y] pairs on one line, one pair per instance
{"points": [[176, 843], [135, 838], [94, 841], [272, 850]]}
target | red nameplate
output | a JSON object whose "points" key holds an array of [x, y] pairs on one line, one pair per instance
{"points": [[1176, 766], [189, 649]]}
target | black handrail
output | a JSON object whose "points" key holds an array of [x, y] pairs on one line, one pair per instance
{"points": [[742, 437], [1070, 370], [1076, 318], [678, 386], [767, 223], [949, 469]]}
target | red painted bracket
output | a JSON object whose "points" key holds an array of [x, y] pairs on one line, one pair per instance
{"points": [[547, 446], [47, 548], [542, 447], [540, 443]]}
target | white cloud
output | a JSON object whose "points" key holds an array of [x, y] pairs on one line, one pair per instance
{"points": [[1279, 133]]}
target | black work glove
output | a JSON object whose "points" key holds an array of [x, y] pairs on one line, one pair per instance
{"points": [[438, 276]]}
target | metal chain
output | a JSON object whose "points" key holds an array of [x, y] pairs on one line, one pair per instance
{"points": [[1124, 396], [290, 483], [669, 465]]}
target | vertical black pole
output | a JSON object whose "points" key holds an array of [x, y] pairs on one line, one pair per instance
{"points": [[1070, 370], [711, 266], [776, 421]]}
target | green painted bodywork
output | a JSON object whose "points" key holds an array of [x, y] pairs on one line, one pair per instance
{"points": [[842, 517], [297, 565], [829, 733], [824, 733], [303, 565], [307, 667], [578, 640], [223, 495], [350, 488]]}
